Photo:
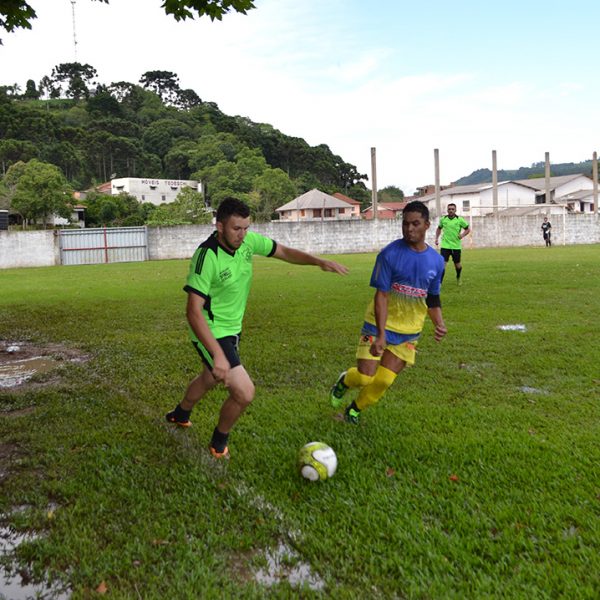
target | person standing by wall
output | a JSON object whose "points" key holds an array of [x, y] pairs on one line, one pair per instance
{"points": [[546, 227], [454, 229]]}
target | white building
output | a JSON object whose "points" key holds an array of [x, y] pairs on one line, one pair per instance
{"points": [[156, 191], [316, 206], [573, 193]]}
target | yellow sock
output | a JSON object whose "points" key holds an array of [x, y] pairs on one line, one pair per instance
{"points": [[354, 378], [372, 392]]}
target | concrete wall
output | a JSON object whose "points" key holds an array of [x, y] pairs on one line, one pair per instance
{"points": [[28, 249], [40, 248]]}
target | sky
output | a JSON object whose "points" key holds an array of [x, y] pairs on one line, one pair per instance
{"points": [[465, 77]]}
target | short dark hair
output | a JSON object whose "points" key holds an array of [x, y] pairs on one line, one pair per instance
{"points": [[232, 206], [417, 206], [451, 204]]}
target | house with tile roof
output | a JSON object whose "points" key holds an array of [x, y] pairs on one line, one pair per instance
{"points": [[315, 205], [355, 204], [385, 210]]}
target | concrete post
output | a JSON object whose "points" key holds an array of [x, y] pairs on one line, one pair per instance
{"points": [[595, 180], [494, 183], [547, 158], [438, 203], [374, 182]]}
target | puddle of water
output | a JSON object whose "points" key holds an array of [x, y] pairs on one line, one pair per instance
{"points": [[531, 390], [278, 569], [516, 327], [12, 586], [16, 372]]}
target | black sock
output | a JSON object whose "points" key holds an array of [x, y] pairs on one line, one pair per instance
{"points": [[219, 440], [458, 272], [180, 414]]}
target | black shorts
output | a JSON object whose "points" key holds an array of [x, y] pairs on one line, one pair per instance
{"points": [[447, 253], [231, 349]]}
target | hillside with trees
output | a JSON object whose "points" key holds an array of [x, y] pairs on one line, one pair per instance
{"points": [[92, 132], [534, 171]]}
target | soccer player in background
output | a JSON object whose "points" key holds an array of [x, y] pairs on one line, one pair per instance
{"points": [[217, 289], [454, 229], [407, 277], [546, 232]]}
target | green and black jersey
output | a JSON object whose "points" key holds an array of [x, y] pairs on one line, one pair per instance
{"points": [[223, 278], [451, 228]]}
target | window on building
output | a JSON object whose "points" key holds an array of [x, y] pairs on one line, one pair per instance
{"points": [[302, 213], [466, 205], [316, 213], [342, 211], [143, 197], [163, 198], [328, 213]]}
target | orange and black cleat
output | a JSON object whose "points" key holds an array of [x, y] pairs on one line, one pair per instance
{"points": [[220, 455], [178, 420]]}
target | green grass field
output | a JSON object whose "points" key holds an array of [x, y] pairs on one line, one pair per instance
{"points": [[477, 476]]}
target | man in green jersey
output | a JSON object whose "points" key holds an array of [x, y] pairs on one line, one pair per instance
{"points": [[454, 229], [217, 286]]}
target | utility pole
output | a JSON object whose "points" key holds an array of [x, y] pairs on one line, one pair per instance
{"points": [[595, 180], [438, 204], [74, 30], [547, 159], [494, 183], [374, 182]]}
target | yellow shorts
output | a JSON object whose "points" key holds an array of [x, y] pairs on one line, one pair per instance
{"points": [[406, 351]]}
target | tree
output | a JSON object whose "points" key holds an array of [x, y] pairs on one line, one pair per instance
{"points": [[215, 9], [76, 77], [31, 92], [274, 188], [41, 191], [187, 209], [391, 193], [15, 14], [114, 211], [163, 83]]}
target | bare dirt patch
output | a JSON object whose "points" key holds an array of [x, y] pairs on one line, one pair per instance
{"points": [[21, 360]]}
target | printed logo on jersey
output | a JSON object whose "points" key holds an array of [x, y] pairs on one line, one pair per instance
{"points": [[407, 290], [246, 253], [225, 275]]}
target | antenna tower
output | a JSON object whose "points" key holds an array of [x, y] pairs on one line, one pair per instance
{"points": [[74, 29]]}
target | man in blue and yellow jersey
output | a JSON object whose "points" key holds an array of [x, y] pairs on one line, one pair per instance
{"points": [[217, 289], [407, 278], [454, 229]]}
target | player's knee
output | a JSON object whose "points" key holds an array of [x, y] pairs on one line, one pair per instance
{"points": [[244, 395]]}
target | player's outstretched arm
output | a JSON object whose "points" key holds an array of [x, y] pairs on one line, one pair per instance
{"points": [[298, 257]]}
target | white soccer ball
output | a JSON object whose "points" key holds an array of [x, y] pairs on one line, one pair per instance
{"points": [[317, 461]]}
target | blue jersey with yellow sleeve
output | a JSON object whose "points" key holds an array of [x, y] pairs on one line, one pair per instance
{"points": [[408, 276]]}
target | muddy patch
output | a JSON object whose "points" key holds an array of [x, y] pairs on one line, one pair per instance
{"points": [[20, 361]]}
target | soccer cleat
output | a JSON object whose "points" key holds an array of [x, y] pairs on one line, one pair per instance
{"points": [[352, 416], [338, 389], [172, 418], [220, 455]]}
